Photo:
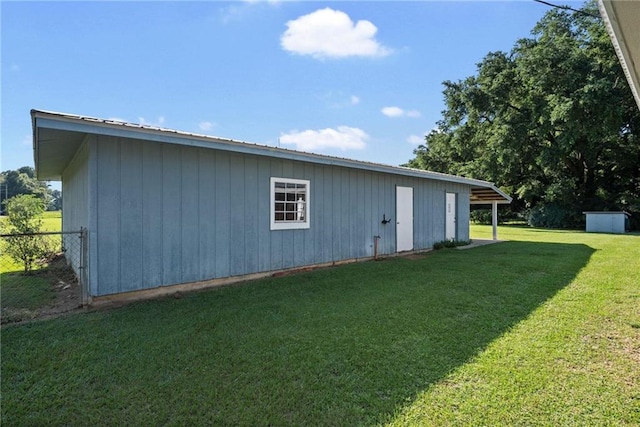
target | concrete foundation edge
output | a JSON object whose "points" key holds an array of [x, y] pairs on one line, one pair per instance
{"points": [[145, 294]]}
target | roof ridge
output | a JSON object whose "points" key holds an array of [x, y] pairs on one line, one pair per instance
{"points": [[270, 148]]}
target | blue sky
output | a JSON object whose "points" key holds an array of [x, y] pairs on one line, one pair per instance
{"points": [[361, 80]]}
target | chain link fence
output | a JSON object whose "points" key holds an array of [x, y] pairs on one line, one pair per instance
{"points": [[42, 274]]}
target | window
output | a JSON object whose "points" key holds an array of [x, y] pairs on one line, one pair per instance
{"points": [[289, 203]]}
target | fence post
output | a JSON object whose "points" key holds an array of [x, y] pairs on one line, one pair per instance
{"points": [[84, 291]]}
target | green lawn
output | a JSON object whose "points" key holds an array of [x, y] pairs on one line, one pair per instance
{"points": [[52, 221], [541, 330]]}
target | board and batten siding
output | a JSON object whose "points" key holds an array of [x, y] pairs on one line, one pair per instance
{"points": [[75, 209], [168, 214]]}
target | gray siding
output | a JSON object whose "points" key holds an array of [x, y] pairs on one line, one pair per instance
{"points": [[168, 214], [75, 209], [463, 216]]}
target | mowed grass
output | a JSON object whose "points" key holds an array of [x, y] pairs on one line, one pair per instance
{"points": [[52, 221], [574, 361], [541, 330]]}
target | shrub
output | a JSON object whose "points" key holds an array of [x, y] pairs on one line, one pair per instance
{"points": [[554, 216], [450, 244], [25, 218], [481, 216]]}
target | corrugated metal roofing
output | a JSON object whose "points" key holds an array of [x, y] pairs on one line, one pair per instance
{"points": [[482, 191]]}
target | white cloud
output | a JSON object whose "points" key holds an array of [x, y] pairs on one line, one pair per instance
{"points": [[206, 125], [415, 139], [238, 10], [399, 112], [235, 12], [392, 111], [158, 123], [338, 99], [328, 33], [343, 138]]}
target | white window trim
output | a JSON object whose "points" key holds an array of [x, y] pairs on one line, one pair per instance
{"points": [[272, 205]]}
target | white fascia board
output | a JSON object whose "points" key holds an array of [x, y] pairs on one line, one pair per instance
{"points": [[617, 33]]}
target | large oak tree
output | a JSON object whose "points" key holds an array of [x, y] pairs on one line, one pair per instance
{"points": [[553, 122]]}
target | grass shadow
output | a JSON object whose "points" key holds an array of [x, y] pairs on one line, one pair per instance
{"points": [[342, 346]]}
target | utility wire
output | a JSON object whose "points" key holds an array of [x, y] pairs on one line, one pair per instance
{"points": [[581, 12]]}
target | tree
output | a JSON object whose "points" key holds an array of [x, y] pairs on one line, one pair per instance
{"points": [[553, 122], [25, 218], [24, 181], [56, 200]]}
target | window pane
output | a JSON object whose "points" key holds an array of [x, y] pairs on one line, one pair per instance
{"points": [[289, 202]]}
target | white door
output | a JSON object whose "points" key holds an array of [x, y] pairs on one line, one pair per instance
{"points": [[404, 219], [450, 218]]}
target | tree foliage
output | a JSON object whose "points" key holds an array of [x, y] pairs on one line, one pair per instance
{"points": [[24, 181], [553, 122], [25, 219]]}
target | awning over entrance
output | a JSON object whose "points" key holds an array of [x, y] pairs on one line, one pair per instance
{"points": [[490, 195], [487, 195]]}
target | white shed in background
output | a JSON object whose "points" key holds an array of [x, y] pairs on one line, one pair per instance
{"points": [[606, 222]]}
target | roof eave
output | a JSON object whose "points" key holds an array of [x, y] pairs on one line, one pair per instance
{"points": [[74, 124], [618, 26]]}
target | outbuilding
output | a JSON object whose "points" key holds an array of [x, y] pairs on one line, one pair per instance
{"points": [[168, 210], [606, 222]]}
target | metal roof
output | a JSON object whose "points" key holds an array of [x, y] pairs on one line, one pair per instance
{"points": [[58, 136], [607, 213]]}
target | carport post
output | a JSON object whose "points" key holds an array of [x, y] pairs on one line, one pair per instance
{"points": [[494, 218]]}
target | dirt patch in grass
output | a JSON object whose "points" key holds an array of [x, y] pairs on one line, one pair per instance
{"points": [[57, 284]]}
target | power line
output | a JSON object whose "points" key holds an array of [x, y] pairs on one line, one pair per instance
{"points": [[581, 12]]}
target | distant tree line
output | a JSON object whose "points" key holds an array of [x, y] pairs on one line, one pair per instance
{"points": [[23, 181], [553, 122]]}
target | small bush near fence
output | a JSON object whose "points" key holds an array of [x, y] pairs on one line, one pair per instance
{"points": [[49, 285]]}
